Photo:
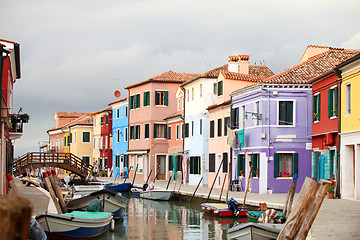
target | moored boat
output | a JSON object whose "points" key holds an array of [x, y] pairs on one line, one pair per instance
{"points": [[222, 210], [253, 216], [255, 231], [75, 225], [157, 194], [122, 187], [110, 202]]}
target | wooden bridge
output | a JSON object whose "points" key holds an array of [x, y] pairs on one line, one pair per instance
{"points": [[67, 161]]}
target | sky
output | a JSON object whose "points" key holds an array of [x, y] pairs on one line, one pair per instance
{"points": [[76, 54]]}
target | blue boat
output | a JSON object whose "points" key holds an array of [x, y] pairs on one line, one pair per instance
{"points": [[75, 225], [122, 187]]}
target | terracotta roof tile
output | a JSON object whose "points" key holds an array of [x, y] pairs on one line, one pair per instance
{"points": [[61, 114], [101, 111], [168, 77], [304, 72], [118, 100], [240, 76], [256, 70]]}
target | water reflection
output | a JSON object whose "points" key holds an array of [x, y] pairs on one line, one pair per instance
{"points": [[147, 219]]}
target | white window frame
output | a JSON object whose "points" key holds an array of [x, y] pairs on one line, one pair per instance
{"points": [[278, 112], [177, 132], [126, 134], [82, 137], [117, 113], [347, 99], [118, 135]]}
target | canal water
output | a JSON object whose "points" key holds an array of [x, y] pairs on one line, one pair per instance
{"points": [[148, 219]]}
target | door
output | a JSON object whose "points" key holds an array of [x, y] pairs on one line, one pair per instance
{"points": [[321, 167], [160, 163]]}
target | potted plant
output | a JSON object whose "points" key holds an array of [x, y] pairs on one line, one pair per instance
{"points": [[331, 192], [25, 117], [257, 173], [103, 173], [285, 174], [241, 173]]}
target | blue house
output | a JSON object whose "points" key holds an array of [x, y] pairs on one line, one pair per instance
{"points": [[120, 113]]}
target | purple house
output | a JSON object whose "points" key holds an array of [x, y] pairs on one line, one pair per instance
{"points": [[273, 122]]}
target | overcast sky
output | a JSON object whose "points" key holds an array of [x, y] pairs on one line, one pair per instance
{"points": [[76, 53]]}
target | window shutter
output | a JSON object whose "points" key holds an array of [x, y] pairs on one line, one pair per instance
{"points": [[166, 98], [138, 100], [314, 108], [318, 106], [147, 130], [145, 99], [212, 129], [156, 98], [253, 164], [330, 103], [131, 102], [295, 163], [336, 100], [155, 136], [215, 88], [225, 162], [165, 131], [276, 165], [220, 88], [232, 118]]}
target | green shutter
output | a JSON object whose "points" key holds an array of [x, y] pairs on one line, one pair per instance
{"points": [[166, 98], [330, 103], [295, 163], [156, 98], [336, 100], [138, 100], [145, 99], [220, 88], [253, 164], [155, 136], [215, 88], [276, 165], [165, 131], [131, 102], [318, 106], [314, 108]]}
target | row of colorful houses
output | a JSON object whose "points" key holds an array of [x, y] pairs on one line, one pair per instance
{"points": [[233, 121]]}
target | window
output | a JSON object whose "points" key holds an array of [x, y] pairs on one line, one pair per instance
{"points": [[86, 159], [117, 161], [286, 113], [132, 133], [200, 90], [225, 162], [182, 131], [186, 130], [170, 163], [219, 127], [200, 127], [147, 130], [118, 113], [215, 88], [188, 94], [285, 162], [220, 88], [234, 118], [241, 165], [212, 123], [106, 119], [70, 138], [211, 162], [226, 124], [192, 128], [135, 101], [102, 120], [316, 107], [195, 165], [169, 133], [105, 163], [179, 104], [333, 102], [126, 111], [161, 98], [192, 93], [160, 130], [126, 135], [64, 141], [106, 142], [86, 137], [348, 99], [137, 132], [177, 131], [101, 142], [255, 163], [118, 135], [257, 109], [146, 98]]}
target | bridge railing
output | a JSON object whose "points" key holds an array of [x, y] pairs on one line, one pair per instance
{"points": [[67, 161]]}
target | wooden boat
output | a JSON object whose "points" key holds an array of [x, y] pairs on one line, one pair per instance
{"points": [[255, 231], [75, 225], [157, 194], [84, 190], [222, 210], [253, 216], [122, 187], [110, 201]]}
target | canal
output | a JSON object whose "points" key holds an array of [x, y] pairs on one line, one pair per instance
{"points": [[148, 219]]}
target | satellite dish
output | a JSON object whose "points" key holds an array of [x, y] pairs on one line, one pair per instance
{"points": [[117, 93]]}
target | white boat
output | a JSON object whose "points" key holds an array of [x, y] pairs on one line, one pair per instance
{"points": [[84, 190], [255, 231], [110, 201], [157, 194], [75, 225]]}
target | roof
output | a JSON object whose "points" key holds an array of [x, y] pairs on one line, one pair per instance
{"points": [[61, 114], [101, 111], [218, 105], [306, 71], [353, 59], [118, 100], [174, 116], [256, 70], [167, 77], [82, 120], [241, 76]]}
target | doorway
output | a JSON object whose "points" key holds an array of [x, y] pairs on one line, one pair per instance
{"points": [[160, 163]]}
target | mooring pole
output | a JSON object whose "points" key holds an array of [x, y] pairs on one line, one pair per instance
{"points": [[169, 181], [132, 184], [217, 173], [195, 189], [222, 188]]}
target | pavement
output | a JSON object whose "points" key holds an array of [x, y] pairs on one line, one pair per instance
{"points": [[336, 219]]}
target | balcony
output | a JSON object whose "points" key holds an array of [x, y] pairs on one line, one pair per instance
{"points": [[17, 121]]}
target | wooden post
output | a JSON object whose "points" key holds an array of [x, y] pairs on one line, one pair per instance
{"points": [[296, 217], [15, 215], [51, 191], [195, 190], [55, 184], [290, 197], [169, 181], [207, 199], [313, 209], [247, 185], [132, 184], [222, 188], [181, 182]]}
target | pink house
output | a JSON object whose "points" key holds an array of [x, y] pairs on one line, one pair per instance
{"points": [[150, 102]]}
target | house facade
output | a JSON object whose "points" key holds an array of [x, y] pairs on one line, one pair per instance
{"points": [[349, 73], [105, 159], [150, 102], [120, 111]]}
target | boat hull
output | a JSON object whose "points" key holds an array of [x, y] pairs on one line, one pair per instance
{"points": [[255, 231], [163, 195], [221, 210], [61, 226], [123, 187]]}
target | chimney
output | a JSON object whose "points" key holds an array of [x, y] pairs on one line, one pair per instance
{"points": [[244, 64], [233, 64]]}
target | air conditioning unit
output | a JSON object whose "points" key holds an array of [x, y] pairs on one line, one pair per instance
{"points": [[329, 139]]}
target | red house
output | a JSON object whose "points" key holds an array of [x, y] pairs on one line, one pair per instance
{"points": [[106, 139]]}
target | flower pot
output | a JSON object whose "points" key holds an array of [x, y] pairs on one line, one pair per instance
{"points": [[331, 195], [285, 175]]}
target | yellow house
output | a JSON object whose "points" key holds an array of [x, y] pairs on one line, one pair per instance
{"points": [[349, 73]]}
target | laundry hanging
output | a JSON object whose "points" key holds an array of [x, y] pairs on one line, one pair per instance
{"points": [[229, 139], [241, 138]]}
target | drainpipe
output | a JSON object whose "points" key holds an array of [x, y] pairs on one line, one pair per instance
{"points": [[338, 179], [183, 143]]}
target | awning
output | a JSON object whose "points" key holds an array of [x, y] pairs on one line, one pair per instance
{"points": [[138, 151]]}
